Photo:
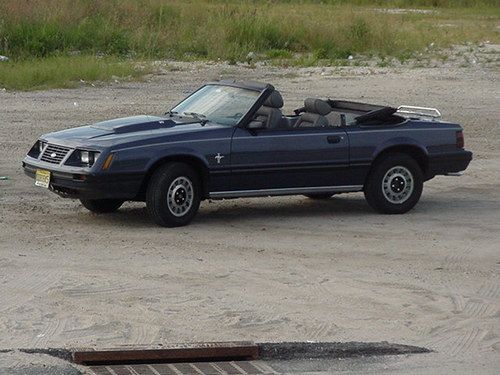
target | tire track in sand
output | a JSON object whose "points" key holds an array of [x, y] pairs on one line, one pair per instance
{"points": [[52, 328], [317, 330], [90, 290], [459, 261], [25, 287], [467, 331], [466, 341]]}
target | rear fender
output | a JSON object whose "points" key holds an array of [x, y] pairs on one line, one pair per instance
{"points": [[399, 142], [404, 145]]}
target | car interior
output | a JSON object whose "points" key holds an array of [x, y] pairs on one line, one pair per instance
{"points": [[319, 113]]}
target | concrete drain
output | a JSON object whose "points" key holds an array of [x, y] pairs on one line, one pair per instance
{"points": [[199, 368], [228, 358], [178, 359]]}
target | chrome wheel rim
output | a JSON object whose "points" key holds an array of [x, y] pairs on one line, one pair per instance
{"points": [[180, 196], [397, 184]]}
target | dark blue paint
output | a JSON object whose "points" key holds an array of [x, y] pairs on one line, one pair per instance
{"points": [[253, 159]]}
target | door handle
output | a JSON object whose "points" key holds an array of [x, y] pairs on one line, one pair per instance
{"points": [[333, 139]]}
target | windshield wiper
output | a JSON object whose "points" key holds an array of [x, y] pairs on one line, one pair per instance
{"points": [[198, 116], [171, 113]]}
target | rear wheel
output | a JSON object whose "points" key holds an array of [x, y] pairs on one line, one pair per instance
{"points": [[101, 205], [319, 196], [173, 195], [395, 184]]}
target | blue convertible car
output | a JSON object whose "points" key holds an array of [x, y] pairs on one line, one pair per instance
{"points": [[230, 139]]}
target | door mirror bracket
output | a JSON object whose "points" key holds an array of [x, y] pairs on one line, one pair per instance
{"points": [[255, 125]]}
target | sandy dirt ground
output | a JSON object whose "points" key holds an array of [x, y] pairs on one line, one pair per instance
{"points": [[268, 269]]}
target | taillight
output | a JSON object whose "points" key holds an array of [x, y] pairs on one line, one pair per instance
{"points": [[460, 139]]}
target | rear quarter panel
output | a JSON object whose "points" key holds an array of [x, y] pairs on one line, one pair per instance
{"points": [[368, 142]]}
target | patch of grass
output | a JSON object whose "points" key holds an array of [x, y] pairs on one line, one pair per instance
{"points": [[418, 3], [65, 71], [41, 38], [289, 32], [383, 63], [304, 60], [229, 30], [279, 54]]}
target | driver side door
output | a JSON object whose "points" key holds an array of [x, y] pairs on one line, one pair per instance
{"points": [[298, 159]]}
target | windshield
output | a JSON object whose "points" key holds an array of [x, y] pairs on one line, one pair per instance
{"points": [[224, 105]]}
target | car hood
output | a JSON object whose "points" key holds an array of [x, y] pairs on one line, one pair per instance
{"points": [[126, 129], [132, 124]]}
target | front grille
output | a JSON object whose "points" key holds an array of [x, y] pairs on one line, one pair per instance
{"points": [[54, 154]]}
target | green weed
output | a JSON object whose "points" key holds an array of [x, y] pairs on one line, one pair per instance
{"points": [[65, 71]]}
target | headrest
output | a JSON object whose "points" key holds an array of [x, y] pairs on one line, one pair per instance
{"points": [[317, 106], [275, 100], [266, 111]]}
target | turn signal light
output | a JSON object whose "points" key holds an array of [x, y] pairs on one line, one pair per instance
{"points": [[107, 162]]}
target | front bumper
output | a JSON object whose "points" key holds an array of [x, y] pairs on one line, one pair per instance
{"points": [[449, 163], [83, 185]]}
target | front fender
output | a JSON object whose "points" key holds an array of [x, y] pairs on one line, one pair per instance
{"points": [[186, 155], [142, 159], [177, 152]]}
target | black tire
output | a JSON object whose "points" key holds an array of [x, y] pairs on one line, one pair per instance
{"points": [[183, 197], [402, 187], [101, 206], [319, 196]]}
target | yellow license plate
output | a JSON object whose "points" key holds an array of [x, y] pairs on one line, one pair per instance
{"points": [[42, 178]]}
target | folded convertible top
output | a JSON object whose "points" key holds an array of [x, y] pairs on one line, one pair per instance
{"points": [[367, 112]]}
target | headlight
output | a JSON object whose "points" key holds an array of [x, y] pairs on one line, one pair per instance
{"points": [[82, 158], [89, 157], [85, 157]]}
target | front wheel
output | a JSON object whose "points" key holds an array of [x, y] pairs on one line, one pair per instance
{"points": [[101, 205], [395, 184], [173, 195]]}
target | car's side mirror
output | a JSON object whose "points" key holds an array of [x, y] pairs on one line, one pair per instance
{"points": [[254, 125]]}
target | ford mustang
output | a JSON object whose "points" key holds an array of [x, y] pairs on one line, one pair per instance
{"points": [[230, 139]]}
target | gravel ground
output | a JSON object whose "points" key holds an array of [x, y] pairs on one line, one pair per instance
{"points": [[268, 269]]}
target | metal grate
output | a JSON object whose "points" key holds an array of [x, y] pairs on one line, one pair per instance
{"points": [[199, 368], [54, 154]]}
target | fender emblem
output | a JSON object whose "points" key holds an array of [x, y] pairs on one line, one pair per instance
{"points": [[218, 157]]}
